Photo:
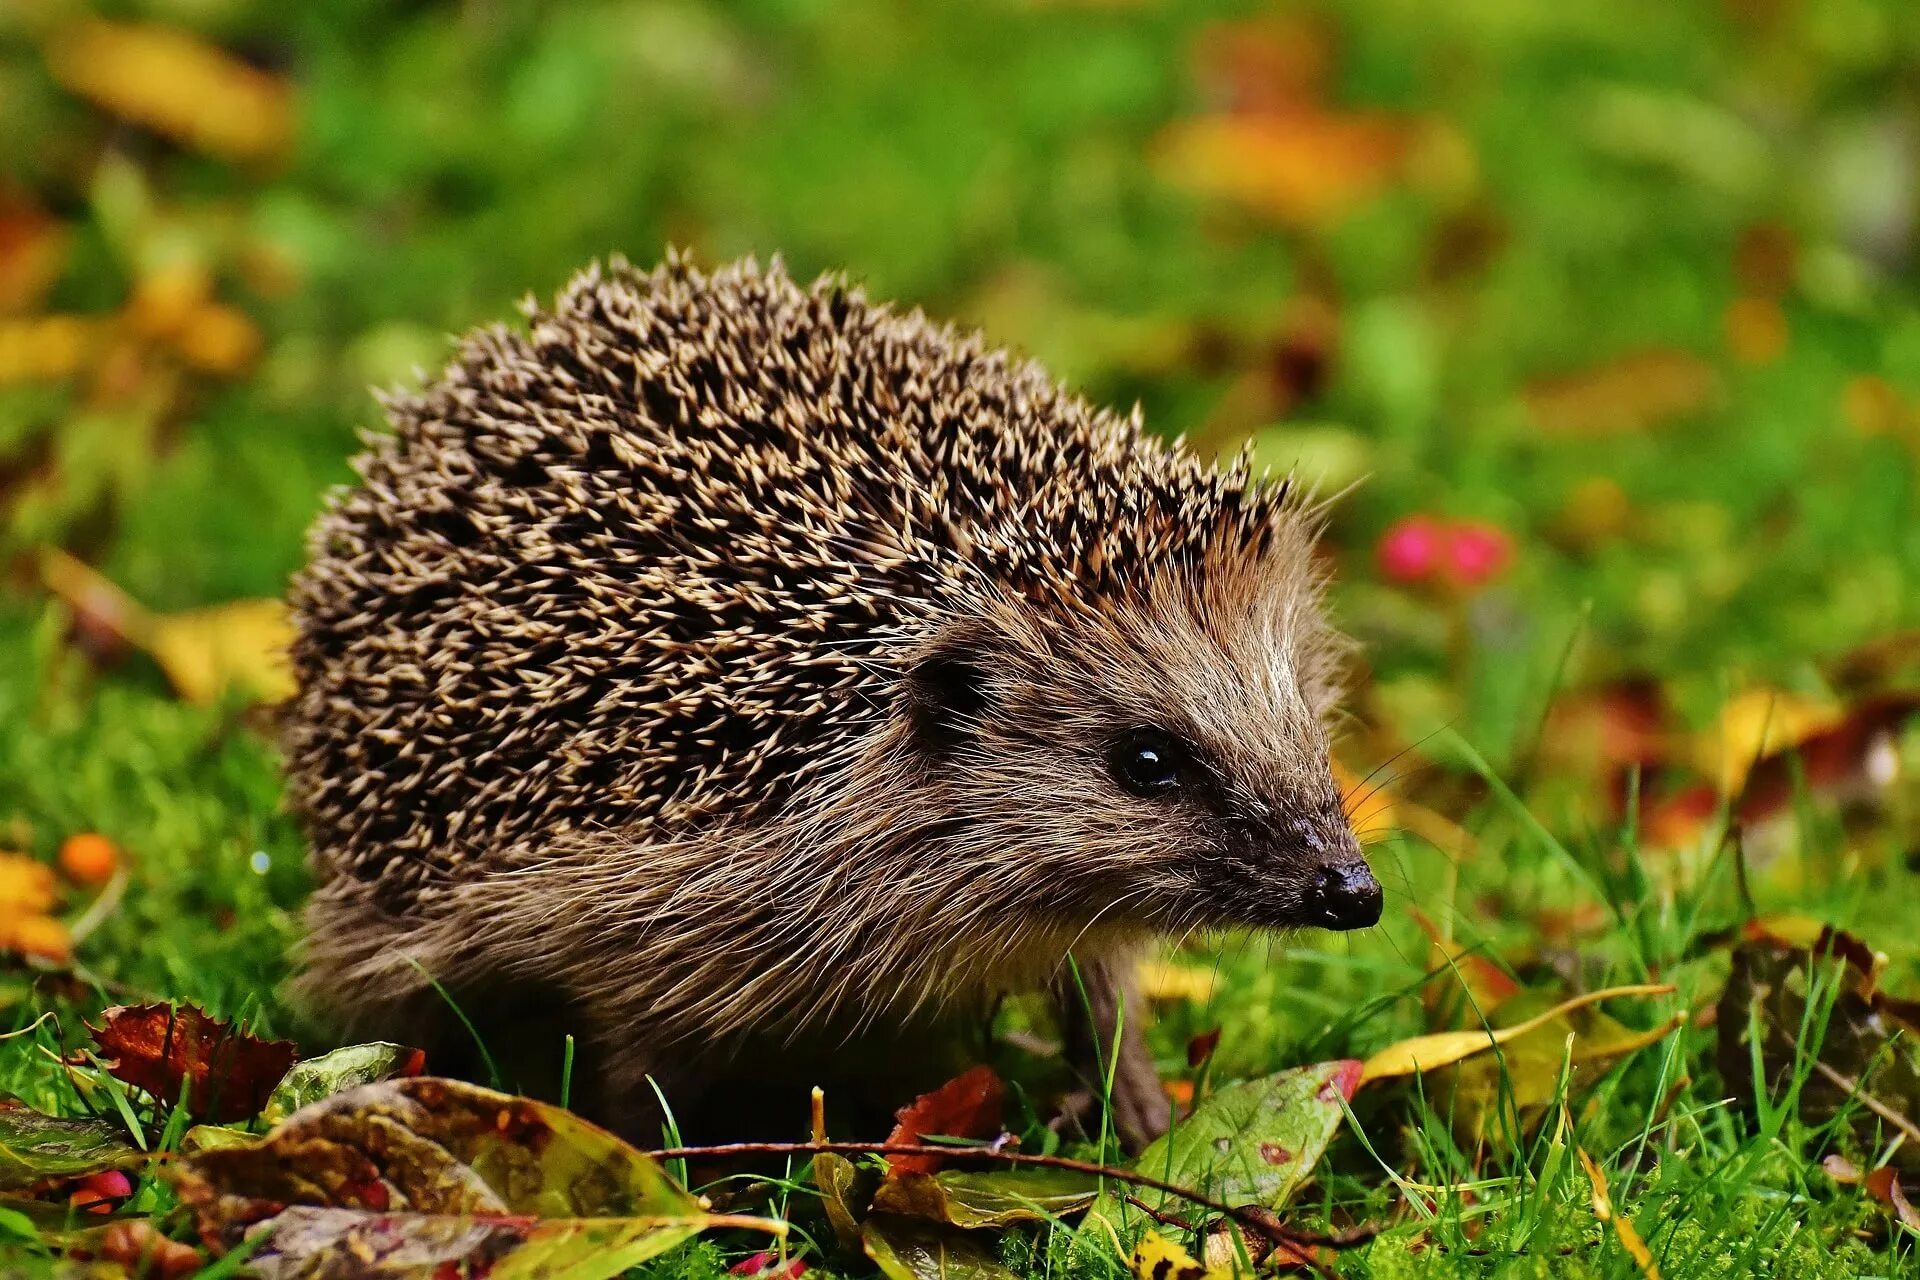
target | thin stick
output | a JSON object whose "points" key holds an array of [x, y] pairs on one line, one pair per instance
{"points": [[1870, 1102], [1251, 1216]]}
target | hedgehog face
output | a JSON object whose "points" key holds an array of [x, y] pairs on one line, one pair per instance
{"points": [[1152, 763]]}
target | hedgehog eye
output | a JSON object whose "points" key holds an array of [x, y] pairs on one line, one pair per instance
{"points": [[1147, 762]]}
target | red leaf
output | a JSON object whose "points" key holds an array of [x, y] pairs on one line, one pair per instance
{"points": [[967, 1106], [162, 1048]]}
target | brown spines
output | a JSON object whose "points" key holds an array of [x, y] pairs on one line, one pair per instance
{"points": [[656, 562]]}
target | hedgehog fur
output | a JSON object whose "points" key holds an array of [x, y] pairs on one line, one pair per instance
{"points": [[747, 666]]}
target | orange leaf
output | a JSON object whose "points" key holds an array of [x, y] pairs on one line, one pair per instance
{"points": [[165, 1048], [33, 251], [1301, 167], [26, 885], [967, 1106], [175, 84]]}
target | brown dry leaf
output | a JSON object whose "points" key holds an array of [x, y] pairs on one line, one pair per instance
{"points": [[176, 84], [967, 1106], [1302, 168], [241, 644], [33, 252], [1639, 390], [1883, 1184], [167, 1048], [1443, 1048], [1622, 1227]]}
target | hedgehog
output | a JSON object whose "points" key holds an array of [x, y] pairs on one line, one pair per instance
{"points": [[761, 683]]}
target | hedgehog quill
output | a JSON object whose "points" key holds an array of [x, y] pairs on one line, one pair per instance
{"points": [[761, 683]]}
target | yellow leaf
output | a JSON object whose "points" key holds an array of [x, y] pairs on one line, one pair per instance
{"points": [[1162, 981], [1158, 1258], [1603, 1209], [46, 348], [1424, 1053], [242, 643], [26, 885], [41, 937], [176, 84], [1756, 724]]}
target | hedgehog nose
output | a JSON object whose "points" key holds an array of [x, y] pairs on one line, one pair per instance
{"points": [[1344, 895]]}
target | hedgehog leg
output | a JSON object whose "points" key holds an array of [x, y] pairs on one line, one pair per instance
{"points": [[1090, 1014]]}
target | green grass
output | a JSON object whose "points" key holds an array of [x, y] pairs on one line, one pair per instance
{"points": [[1581, 184]]}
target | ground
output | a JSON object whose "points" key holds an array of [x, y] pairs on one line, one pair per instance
{"points": [[1601, 323]]}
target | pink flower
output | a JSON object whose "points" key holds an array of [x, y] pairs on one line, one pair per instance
{"points": [[1411, 548], [1477, 552]]}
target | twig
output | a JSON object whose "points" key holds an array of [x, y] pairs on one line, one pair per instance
{"points": [[1870, 1102], [1253, 1217]]}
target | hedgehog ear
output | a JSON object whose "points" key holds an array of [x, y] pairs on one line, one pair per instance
{"points": [[946, 694]]}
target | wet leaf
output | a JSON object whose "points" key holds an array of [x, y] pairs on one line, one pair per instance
{"points": [[1250, 1143], [967, 1106], [1443, 1048], [175, 84], [36, 1148], [990, 1199], [330, 1073], [161, 1047], [841, 1183], [408, 1175], [904, 1249]]}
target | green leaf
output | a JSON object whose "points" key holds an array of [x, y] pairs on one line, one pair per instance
{"points": [[411, 1175], [35, 1147], [904, 1249], [995, 1199], [1249, 1144], [840, 1182], [330, 1073]]}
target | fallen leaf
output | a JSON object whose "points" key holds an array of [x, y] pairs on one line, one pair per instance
{"points": [[1157, 1258], [37, 1148], [205, 652], [1869, 1047], [1301, 168], [904, 1249], [1883, 1184], [27, 885], [36, 937], [1623, 1228], [46, 348], [175, 84], [1443, 1048], [967, 1106], [992, 1199], [845, 1193], [1640, 390], [165, 1048], [138, 1247], [1160, 980], [308, 1081], [1755, 724], [1487, 985], [1254, 1143], [406, 1176]]}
